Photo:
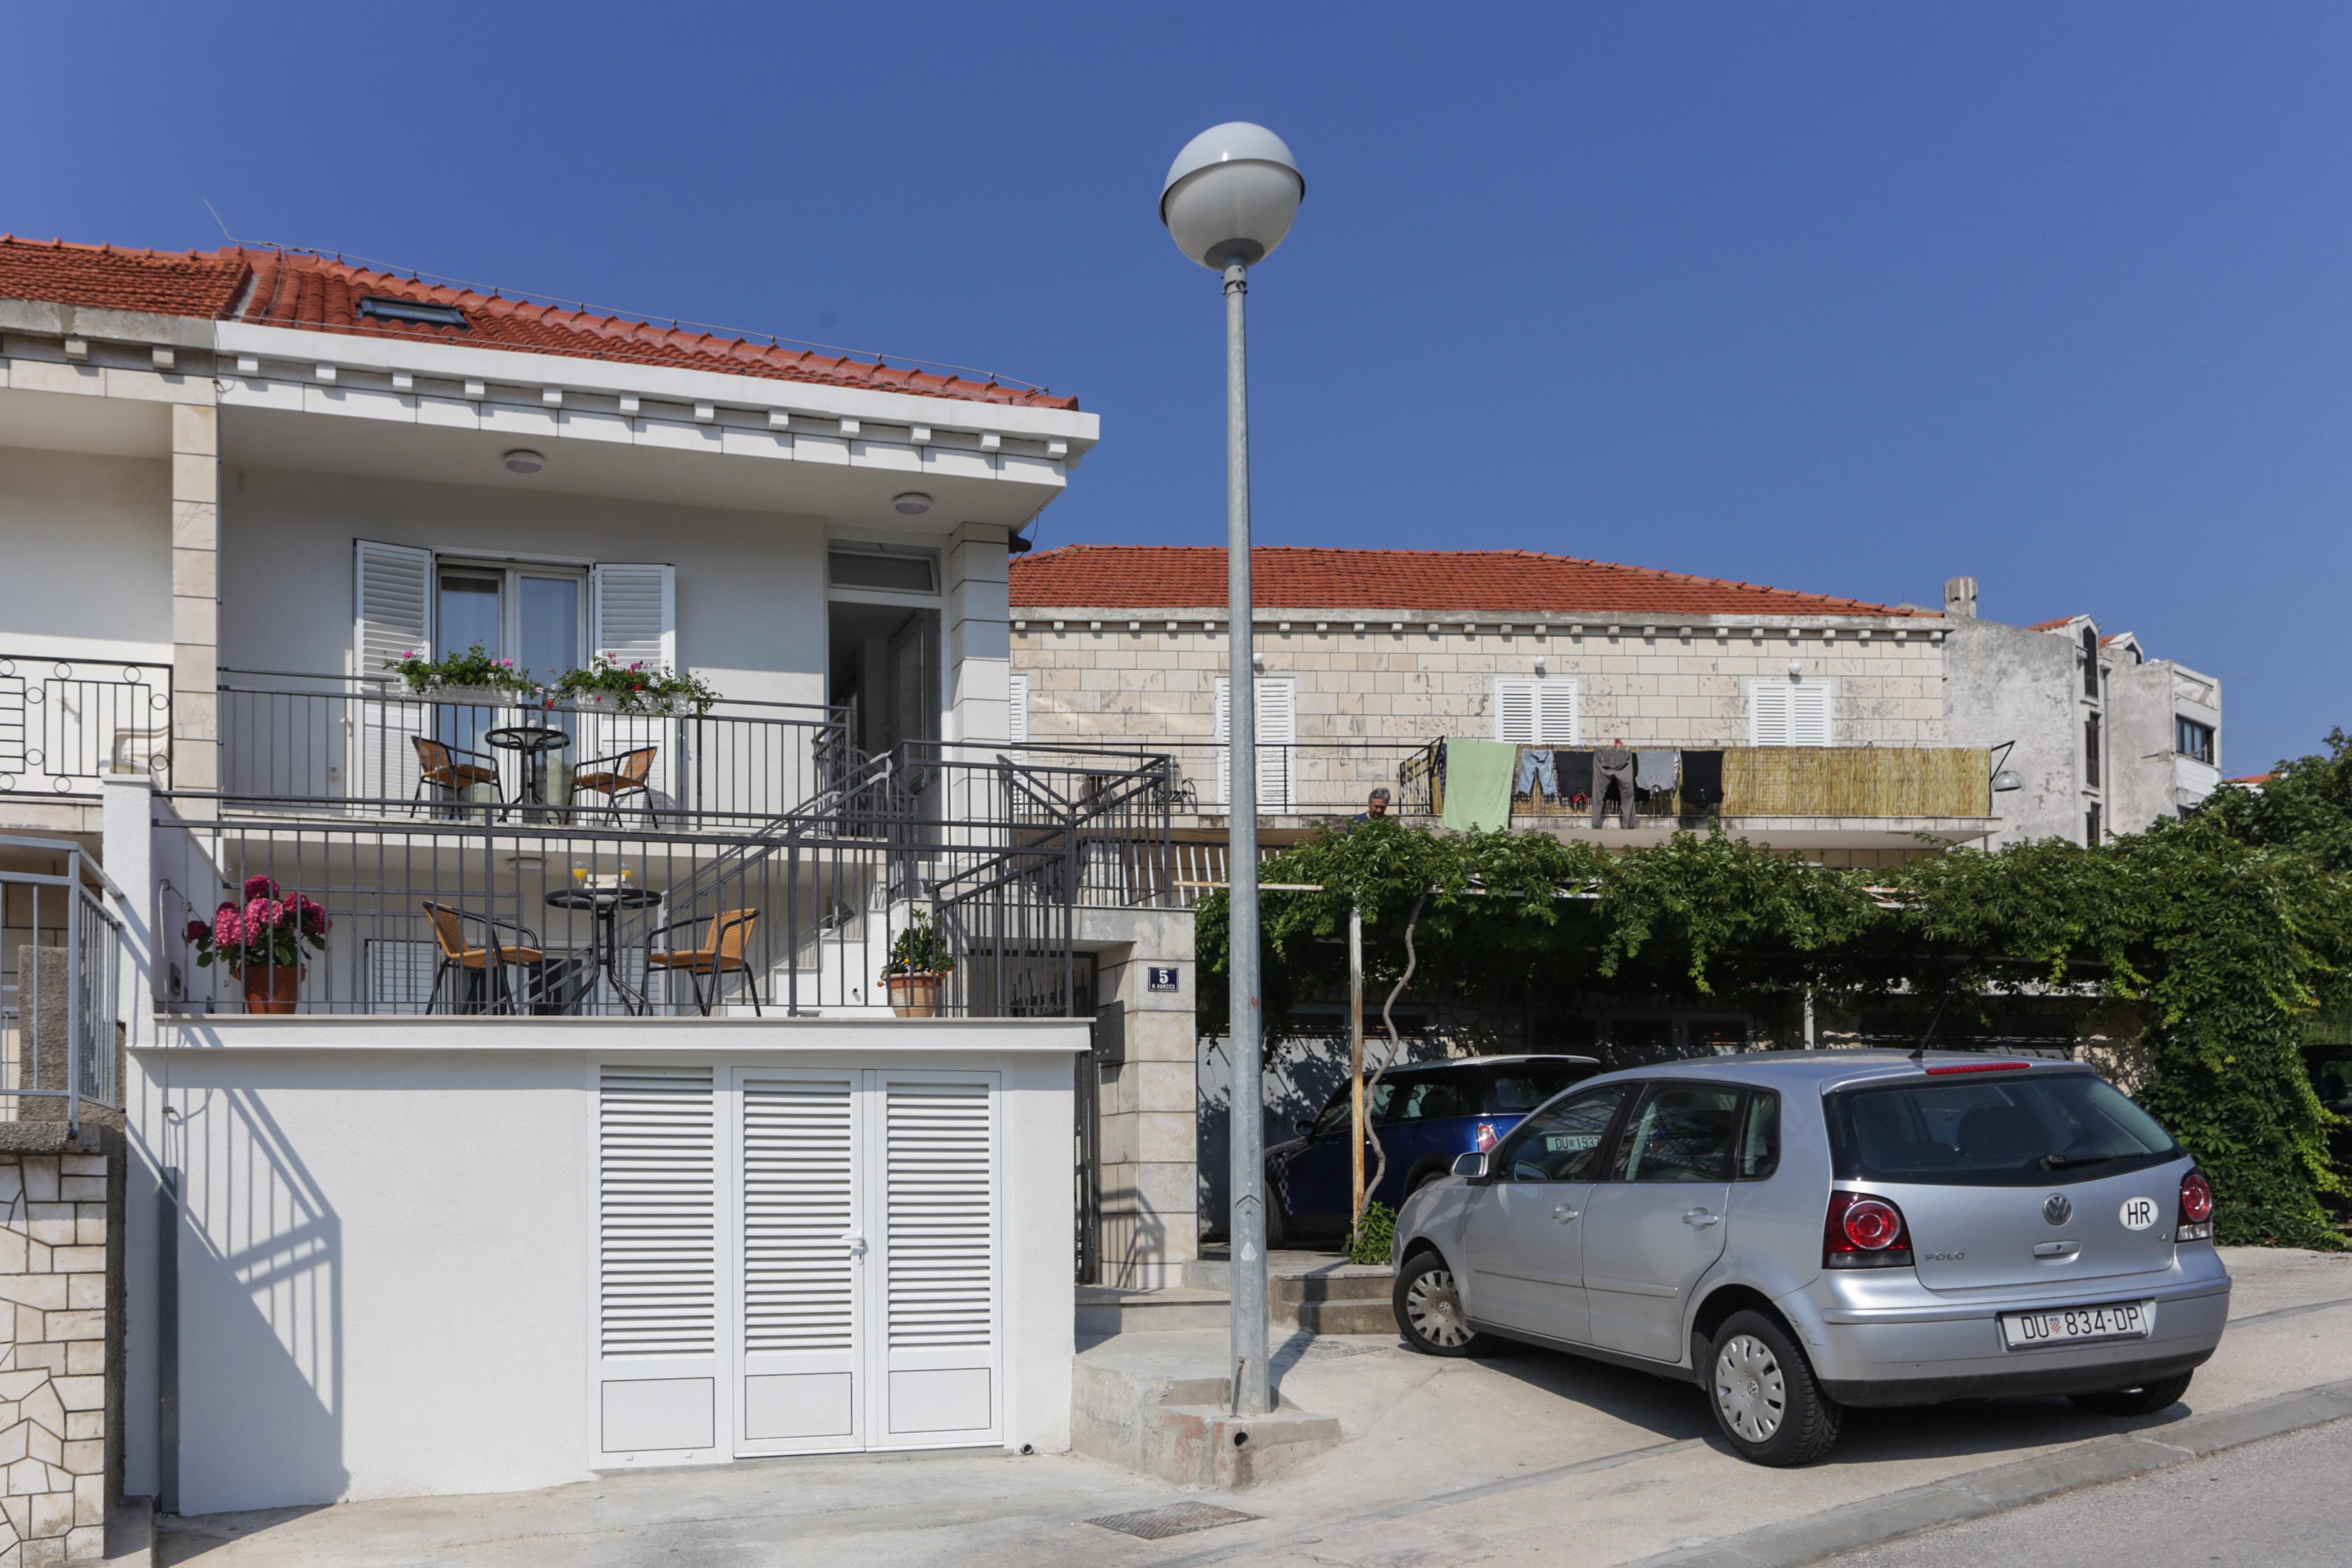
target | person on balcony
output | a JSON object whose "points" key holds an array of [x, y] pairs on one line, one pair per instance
{"points": [[1376, 806]]}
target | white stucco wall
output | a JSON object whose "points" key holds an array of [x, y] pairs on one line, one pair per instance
{"points": [[387, 1271], [751, 586], [88, 555]]}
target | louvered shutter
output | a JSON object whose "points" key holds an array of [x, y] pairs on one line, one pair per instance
{"points": [[393, 615], [1278, 732], [1016, 709], [657, 1260], [1808, 713], [1555, 713], [1768, 713], [634, 621], [936, 1255], [1515, 712], [802, 1295]]}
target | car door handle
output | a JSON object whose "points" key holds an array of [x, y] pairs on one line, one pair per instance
{"points": [[1701, 1218], [1563, 1213]]}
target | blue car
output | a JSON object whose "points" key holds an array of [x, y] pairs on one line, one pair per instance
{"points": [[1425, 1114]]}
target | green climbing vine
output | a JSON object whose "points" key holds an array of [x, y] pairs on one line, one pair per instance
{"points": [[2225, 931]]}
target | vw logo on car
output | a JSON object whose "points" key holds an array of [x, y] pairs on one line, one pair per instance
{"points": [[2057, 1209]]}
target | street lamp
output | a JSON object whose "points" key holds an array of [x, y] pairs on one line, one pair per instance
{"points": [[1228, 201]]}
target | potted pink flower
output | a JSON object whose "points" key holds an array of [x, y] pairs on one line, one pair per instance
{"points": [[261, 940]]}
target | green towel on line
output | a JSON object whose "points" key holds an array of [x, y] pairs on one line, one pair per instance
{"points": [[1478, 784]]}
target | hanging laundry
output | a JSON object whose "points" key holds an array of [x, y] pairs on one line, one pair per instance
{"points": [[1654, 772], [1478, 784], [1574, 771], [1702, 788], [1536, 767], [1612, 768]]}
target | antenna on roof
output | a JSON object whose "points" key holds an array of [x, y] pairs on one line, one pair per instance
{"points": [[1920, 1051], [216, 218]]}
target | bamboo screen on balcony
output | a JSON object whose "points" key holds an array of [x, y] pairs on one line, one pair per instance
{"points": [[1857, 781]]}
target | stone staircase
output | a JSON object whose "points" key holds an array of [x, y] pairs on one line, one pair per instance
{"points": [[1312, 1293]]}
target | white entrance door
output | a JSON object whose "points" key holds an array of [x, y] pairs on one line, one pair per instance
{"points": [[796, 1260]]}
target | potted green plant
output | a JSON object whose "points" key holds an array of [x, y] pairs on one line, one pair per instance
{"points": [[918, 969], [260, 941], [607, 685], [474, 676]]}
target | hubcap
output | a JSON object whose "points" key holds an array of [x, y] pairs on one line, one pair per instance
{"points": [[1434, 1310], [1749, 1392]]}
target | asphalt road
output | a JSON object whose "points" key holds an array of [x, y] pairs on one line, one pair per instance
{"points": [[2283, 1503]]}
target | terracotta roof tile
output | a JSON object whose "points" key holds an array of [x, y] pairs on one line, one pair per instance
{"points": [[1137, 577], [2058, 625], [323, 295]]}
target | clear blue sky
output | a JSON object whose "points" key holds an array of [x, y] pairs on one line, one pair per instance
{"points": [[1840, 297]]}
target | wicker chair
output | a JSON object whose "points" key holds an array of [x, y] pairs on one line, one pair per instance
{"points": [[439, 767], [624, 773], [726, 949], [492, 959]]}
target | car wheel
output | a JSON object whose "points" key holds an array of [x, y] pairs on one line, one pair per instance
{"points": [[1277, 1222], [1425, 1178], [1766, 1400], [2145, 1400], [1429, 1310]]}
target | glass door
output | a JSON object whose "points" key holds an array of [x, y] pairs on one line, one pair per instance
{"points": [[469, 612]]}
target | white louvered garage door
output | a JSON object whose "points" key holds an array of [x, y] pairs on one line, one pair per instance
{"points": [[657, 1261], [938, 1251], [800, 1270], [820, 1247]]}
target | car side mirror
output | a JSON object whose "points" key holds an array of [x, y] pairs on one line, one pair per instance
{"points": [[1472, 1166]]}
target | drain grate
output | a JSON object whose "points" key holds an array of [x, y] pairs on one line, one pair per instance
{"points": [[1175, 1519]]}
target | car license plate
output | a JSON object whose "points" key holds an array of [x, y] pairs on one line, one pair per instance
{"points": [[2073, 1325]]}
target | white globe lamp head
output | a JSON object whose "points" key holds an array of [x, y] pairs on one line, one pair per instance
{"points": [[1231, 195]]}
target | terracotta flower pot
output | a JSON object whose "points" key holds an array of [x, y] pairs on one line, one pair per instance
{"points": [[272, 987], [915, 996]]}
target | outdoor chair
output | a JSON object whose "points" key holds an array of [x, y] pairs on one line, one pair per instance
{"points": [[623, 773], [439, 767], [725, 950], [491, 960]]}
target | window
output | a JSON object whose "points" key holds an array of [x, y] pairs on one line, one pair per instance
{"points": [[1278, 731], [2192, 740], [419, 312], [2090, 661], [2091, 751], [1515, 1090], [2091, 825], [1789, 712], [892, 573], [1535, 712], [1428, 1098], [1759, 1136], [1680, 1131], [1562, 1142], [1016, 709], [2025, 1131]]}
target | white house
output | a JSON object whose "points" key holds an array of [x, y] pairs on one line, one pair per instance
{"points": [[589, 1137]]}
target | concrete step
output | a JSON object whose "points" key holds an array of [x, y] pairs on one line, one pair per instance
{"points": [[1153, 1403], [1104, 1310], [1320, 1292]]}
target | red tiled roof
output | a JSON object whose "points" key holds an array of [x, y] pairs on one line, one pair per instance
{"points": [[1138, 577], [321, 295], [2060, 624]]}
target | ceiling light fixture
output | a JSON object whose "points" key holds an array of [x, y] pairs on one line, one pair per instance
{"points": [[523, 460], [913, 504]]}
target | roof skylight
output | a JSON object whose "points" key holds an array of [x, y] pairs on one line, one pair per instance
{"points": [[422, 312]]}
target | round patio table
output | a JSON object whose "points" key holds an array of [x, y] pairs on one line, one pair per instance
{"points": [[533, 745], [604, 905]]}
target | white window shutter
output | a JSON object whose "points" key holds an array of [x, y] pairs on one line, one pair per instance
{"points": [[1225, 741], [1515, 712], [938, 1259], [1016, 709], [1768, 713], [1278, 732], [1556, 712], [657, 1259], [392, 616], [801, 1296], [635, 614], [1808, 713]]}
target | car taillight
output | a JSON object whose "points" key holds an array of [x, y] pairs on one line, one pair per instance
{"points": [[2196, 1222], [1864, 1233], [1486, 1136]]}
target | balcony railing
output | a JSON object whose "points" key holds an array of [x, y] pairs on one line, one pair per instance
{"points": [[1940, 782], [65, 723], [527, 913], [62, 972], [311, 745]]}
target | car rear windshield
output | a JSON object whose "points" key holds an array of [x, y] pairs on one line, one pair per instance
{"points": [[2046, 1128], [1516, 1088]]}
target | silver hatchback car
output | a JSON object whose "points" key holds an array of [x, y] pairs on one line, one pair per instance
{"points": [[1802, 1231]]}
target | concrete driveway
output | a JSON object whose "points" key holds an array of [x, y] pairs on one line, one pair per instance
{"points": [[1527, 1456]]}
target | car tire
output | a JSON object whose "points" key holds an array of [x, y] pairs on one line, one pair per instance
{"points": [[2145, 1399], [1766, 1402], [1429, 1310], [1278, 1221]]}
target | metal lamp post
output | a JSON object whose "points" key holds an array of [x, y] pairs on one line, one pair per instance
{"points": [[1229, 200]]}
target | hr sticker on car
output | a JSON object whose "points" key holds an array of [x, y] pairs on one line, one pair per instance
{"points": [[2138, 1213]]}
